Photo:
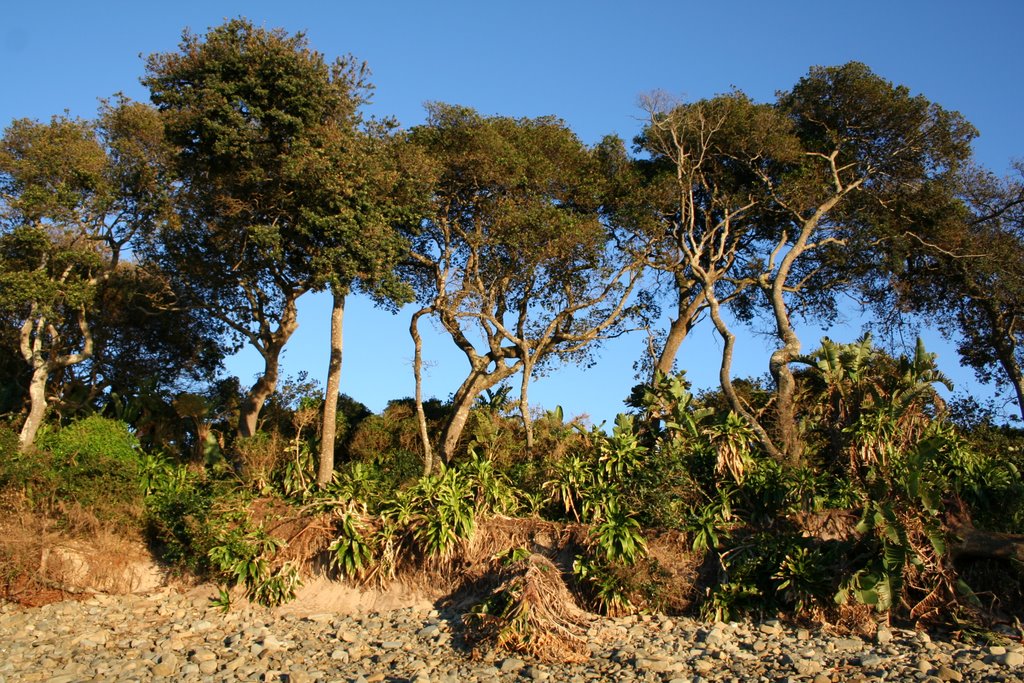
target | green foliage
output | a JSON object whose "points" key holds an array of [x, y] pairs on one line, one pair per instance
{"points": [[244, 557], [222, 600], [902, 528], [605, 583], [709, 524], [617, 534], [493, 491], [803, 578], [984, 466], [17, 469], [188, 513], [437, 511], [728, 601], [350, 553], [94, 462], [772, 570]]}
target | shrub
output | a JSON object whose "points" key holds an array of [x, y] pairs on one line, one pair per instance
{"points": [[96, 463], [188, 512]]}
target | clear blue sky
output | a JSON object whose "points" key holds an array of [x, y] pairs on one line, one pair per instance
{"points": [[584, 61]]}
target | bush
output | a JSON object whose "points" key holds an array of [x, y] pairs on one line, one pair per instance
{"points": [[95, 463], [16, 468], [189, 512]]}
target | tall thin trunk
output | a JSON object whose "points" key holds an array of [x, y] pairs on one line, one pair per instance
{"points": [[524, 401], [37, 407], [417, 369], [43, 365], [478, 381], [778, 363], [725, 378], [1008, 360], [328, 429]]}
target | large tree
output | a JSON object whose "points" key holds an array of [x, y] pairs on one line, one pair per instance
{"points": [[514, 259], [274, 198], [700, 204], [75, 197], [866, 147], [962, 269]]}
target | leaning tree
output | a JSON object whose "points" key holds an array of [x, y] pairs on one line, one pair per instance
{"points": [[867, 147], [514, 258], [75, 197]]}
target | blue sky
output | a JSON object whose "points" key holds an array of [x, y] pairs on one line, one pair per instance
{"points": [[586, 62]]}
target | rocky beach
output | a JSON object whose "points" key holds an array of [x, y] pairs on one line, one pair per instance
{"points": [[177, 634]]}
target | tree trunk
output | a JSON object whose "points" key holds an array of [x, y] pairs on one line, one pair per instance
{"points": [[680, 329], [778, 364], [249, 412], [417, 371], [988, 544], [478, 381], [1007, 359], [524, 403], [37, 406], [31, 345], [330, 414], [725, 379]]}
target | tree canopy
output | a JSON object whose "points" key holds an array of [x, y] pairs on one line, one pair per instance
{"points": [[280, 189]]}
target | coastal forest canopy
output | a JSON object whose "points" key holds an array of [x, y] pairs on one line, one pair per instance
{"points": [[140, 249]]}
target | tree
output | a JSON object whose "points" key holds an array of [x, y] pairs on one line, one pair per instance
{"points": [[513, 259], [275, 197], [702, 209], [75, 196], [866, 147], [965, 272]]}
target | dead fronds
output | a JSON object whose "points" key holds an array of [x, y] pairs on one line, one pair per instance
{"points": [[531, 612]]}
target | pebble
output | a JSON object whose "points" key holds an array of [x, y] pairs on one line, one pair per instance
{"points": [[170, 636]]}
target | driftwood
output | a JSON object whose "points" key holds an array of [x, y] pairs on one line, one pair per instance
{"points": [[973, 542], [831, 525]]}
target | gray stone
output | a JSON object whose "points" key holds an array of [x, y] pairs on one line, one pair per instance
{"points": [[511, 664], [871, 660], [167, 665], [848, 644], [535, 673], [1013, 659], [703, 666]]}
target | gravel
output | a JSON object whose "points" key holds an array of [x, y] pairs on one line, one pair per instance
{"points": [[171, 636]]}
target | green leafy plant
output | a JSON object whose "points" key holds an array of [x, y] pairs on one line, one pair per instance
{"points": [[604, 583], [710, 525], [493, 492], [618, 535], [437, 511], [727, 601], [222, 600], [350, 553], [279, 587], [803, 578]]}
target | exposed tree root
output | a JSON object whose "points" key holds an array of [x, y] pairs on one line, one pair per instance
{"points": [[531, 612]]}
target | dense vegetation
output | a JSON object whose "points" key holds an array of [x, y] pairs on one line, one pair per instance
{"points": [[140, 249]]}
